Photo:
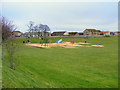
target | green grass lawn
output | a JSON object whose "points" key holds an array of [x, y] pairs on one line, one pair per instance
{"points": [[0, 66], [83, 67]]}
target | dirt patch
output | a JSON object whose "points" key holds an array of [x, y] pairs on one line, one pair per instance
{"points": [[69, 47], [97, 45], [38, 45], [82, 43], [64, 45]]}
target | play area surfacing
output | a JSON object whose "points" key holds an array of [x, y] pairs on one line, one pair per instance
{"points": [[63, 45]]}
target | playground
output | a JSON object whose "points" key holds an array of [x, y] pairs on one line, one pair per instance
{"points": [[62, 44]]}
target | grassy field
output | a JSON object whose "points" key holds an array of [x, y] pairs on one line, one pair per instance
{"points": [[83, 67], [0, 66]]}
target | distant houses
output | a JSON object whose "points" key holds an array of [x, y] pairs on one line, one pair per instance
{"points": [[17, 33], [65, 33], [58, 33], [73, 34], [106, 33], [81, 33], [117, 33], [92, 32]]}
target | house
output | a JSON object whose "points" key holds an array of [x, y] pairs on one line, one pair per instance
{"points": [[66, 34], [58, 33], [73, 34], [117, 33], [105, 33], [81, 33], [17, 33], [91, 32]]}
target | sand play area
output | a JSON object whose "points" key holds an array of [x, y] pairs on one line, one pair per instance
{"points": [[64, 45]]}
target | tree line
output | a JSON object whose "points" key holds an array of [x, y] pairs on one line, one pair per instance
{"points": [[40, 29]]}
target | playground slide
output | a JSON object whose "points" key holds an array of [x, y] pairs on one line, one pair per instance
{"points": [[59, 41]]}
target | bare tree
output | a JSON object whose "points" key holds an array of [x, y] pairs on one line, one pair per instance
{"points": [[36, 30], [46, 29], [31, 27], [7, 28], [8, 40], [39, 29], [43, 29]]}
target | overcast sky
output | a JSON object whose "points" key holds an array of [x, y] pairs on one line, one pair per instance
{"points": [[71, 16]]}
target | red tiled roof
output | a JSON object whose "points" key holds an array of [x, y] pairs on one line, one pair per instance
{"points": [[104, 31]]}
